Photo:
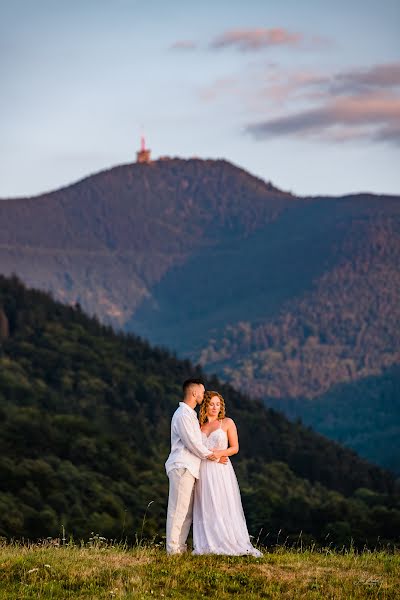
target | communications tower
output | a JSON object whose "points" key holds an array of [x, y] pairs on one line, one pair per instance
{"points": [[143, 155]]}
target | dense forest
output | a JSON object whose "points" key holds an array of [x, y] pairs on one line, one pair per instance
{"points": [[364, 415], [84, 433], [344, 326]]}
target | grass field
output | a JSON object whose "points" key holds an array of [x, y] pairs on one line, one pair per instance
{"points": [[103, 571]]}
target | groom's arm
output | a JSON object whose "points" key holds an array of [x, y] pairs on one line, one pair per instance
{"points": [[190, 435]]}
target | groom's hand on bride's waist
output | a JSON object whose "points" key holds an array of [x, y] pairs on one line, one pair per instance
{"points": [[221, 459], [220, 456]]}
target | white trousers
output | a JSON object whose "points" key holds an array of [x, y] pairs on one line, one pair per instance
{"points": [[180, 509]]}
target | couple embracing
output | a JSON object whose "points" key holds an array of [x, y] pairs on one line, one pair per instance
{"points": [[202, 483]]}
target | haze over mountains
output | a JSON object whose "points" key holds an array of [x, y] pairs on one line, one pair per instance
{"points": [[290, 299]]}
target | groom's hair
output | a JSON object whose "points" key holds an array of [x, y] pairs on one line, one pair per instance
{"points": [[188, 382]]}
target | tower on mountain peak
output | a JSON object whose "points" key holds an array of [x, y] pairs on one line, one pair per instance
{"points": [[143, 155]]}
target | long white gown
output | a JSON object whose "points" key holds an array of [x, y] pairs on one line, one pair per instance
{"points": [[219, 524]]}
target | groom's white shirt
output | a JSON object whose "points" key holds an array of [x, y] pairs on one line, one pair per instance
{"points": [[187, 448]]}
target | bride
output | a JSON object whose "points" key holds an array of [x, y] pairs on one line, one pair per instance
{"points": [[219, 525]]}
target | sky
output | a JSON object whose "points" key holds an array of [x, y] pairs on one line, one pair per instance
{"points": [[303, 94]]}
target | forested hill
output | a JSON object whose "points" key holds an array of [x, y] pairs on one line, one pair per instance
{"points": [[106, 240], [84, 432]]}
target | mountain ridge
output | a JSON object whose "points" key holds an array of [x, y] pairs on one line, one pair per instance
{"points": [[154, 163]]}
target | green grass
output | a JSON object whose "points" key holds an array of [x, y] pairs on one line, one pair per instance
{"points": [[71, 571]]}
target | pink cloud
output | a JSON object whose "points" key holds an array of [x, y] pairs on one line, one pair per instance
{"points": [[256, 39], [375, 115], [314, 86]]}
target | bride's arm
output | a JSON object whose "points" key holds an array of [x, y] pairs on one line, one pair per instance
{"points": [[233, 441]]}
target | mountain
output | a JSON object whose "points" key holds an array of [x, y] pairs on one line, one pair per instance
{"points": [[107, 240], [84, 433], [287, 298]]}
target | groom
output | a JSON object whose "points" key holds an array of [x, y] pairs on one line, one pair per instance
{"points": [[183, 465]]}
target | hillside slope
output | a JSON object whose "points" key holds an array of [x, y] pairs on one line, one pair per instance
{"points": [[84, 433]]}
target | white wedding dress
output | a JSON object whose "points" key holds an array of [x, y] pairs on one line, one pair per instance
{"points": [[219, 525]]}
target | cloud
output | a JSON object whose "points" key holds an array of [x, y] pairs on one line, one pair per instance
{"points": [[311, 85], [256, 39], [379, 76], [372, 115], [349, 105], [301, 84], [184, 45], [389, 134]]}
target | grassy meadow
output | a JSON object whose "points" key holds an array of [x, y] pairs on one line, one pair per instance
{"points": [[101, 570]]}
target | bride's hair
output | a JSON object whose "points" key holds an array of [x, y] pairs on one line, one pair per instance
{"points": [[204, 407]]}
